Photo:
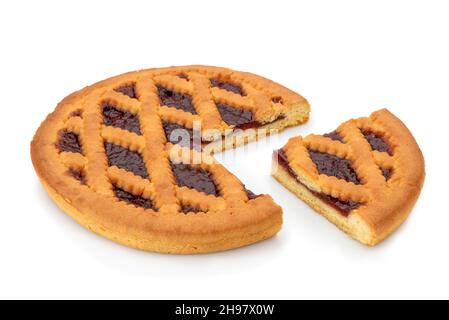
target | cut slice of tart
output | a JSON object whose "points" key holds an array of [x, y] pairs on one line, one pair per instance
{"points": [[365, 177], [123, 158]]}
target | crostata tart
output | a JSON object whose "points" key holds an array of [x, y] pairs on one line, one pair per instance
{"points": [[126, 157]]}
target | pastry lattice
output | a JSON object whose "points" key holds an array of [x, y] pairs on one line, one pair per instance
{"points": [[82, 114]]}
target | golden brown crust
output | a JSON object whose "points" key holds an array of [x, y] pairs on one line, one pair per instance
{"points": [[232, 220], [386, 203]]}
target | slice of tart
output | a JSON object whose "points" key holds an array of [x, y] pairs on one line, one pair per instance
{"points": [[365, 177]]}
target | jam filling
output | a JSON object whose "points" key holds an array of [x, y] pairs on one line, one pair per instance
{"points": [[183, 76], [129, 91], [78, 175], [334, 135], [76, 113], [121, 119], [189, 209], [126, 159], [194, 178], [175, 99], [132, 199], [332, 165], [343, 207], [251, 195], [227, 86], [69, 142], [377, 142], [387, 173], [170, 127]]}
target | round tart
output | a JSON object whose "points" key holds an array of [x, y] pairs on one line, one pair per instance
{"points": [[365, 177], [126, 159]]}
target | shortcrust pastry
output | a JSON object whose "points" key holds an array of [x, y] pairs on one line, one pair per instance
{"points": [[365, 177], [105, 156]]}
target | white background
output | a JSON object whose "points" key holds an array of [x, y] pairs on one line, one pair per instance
{"points": [[348, 58]]}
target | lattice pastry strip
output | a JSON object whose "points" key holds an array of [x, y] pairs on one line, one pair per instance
{"points": [[154, 154], [195, 199], [364, 177], [93, 144], [124, 138], [175, 83], [73, 160], [178, 116], [122, 101], [131, 183], [226, 97], [75, 124], [125, 180]]}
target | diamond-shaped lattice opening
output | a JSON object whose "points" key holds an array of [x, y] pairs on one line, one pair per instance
{"points": [[115, 117], [128, 90], [78, 174], [234, 116], [228, 86], [126, 159], [194, 178], [178, 100], [377, 142], [69, 142], [332, 165], [129, 198]]}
